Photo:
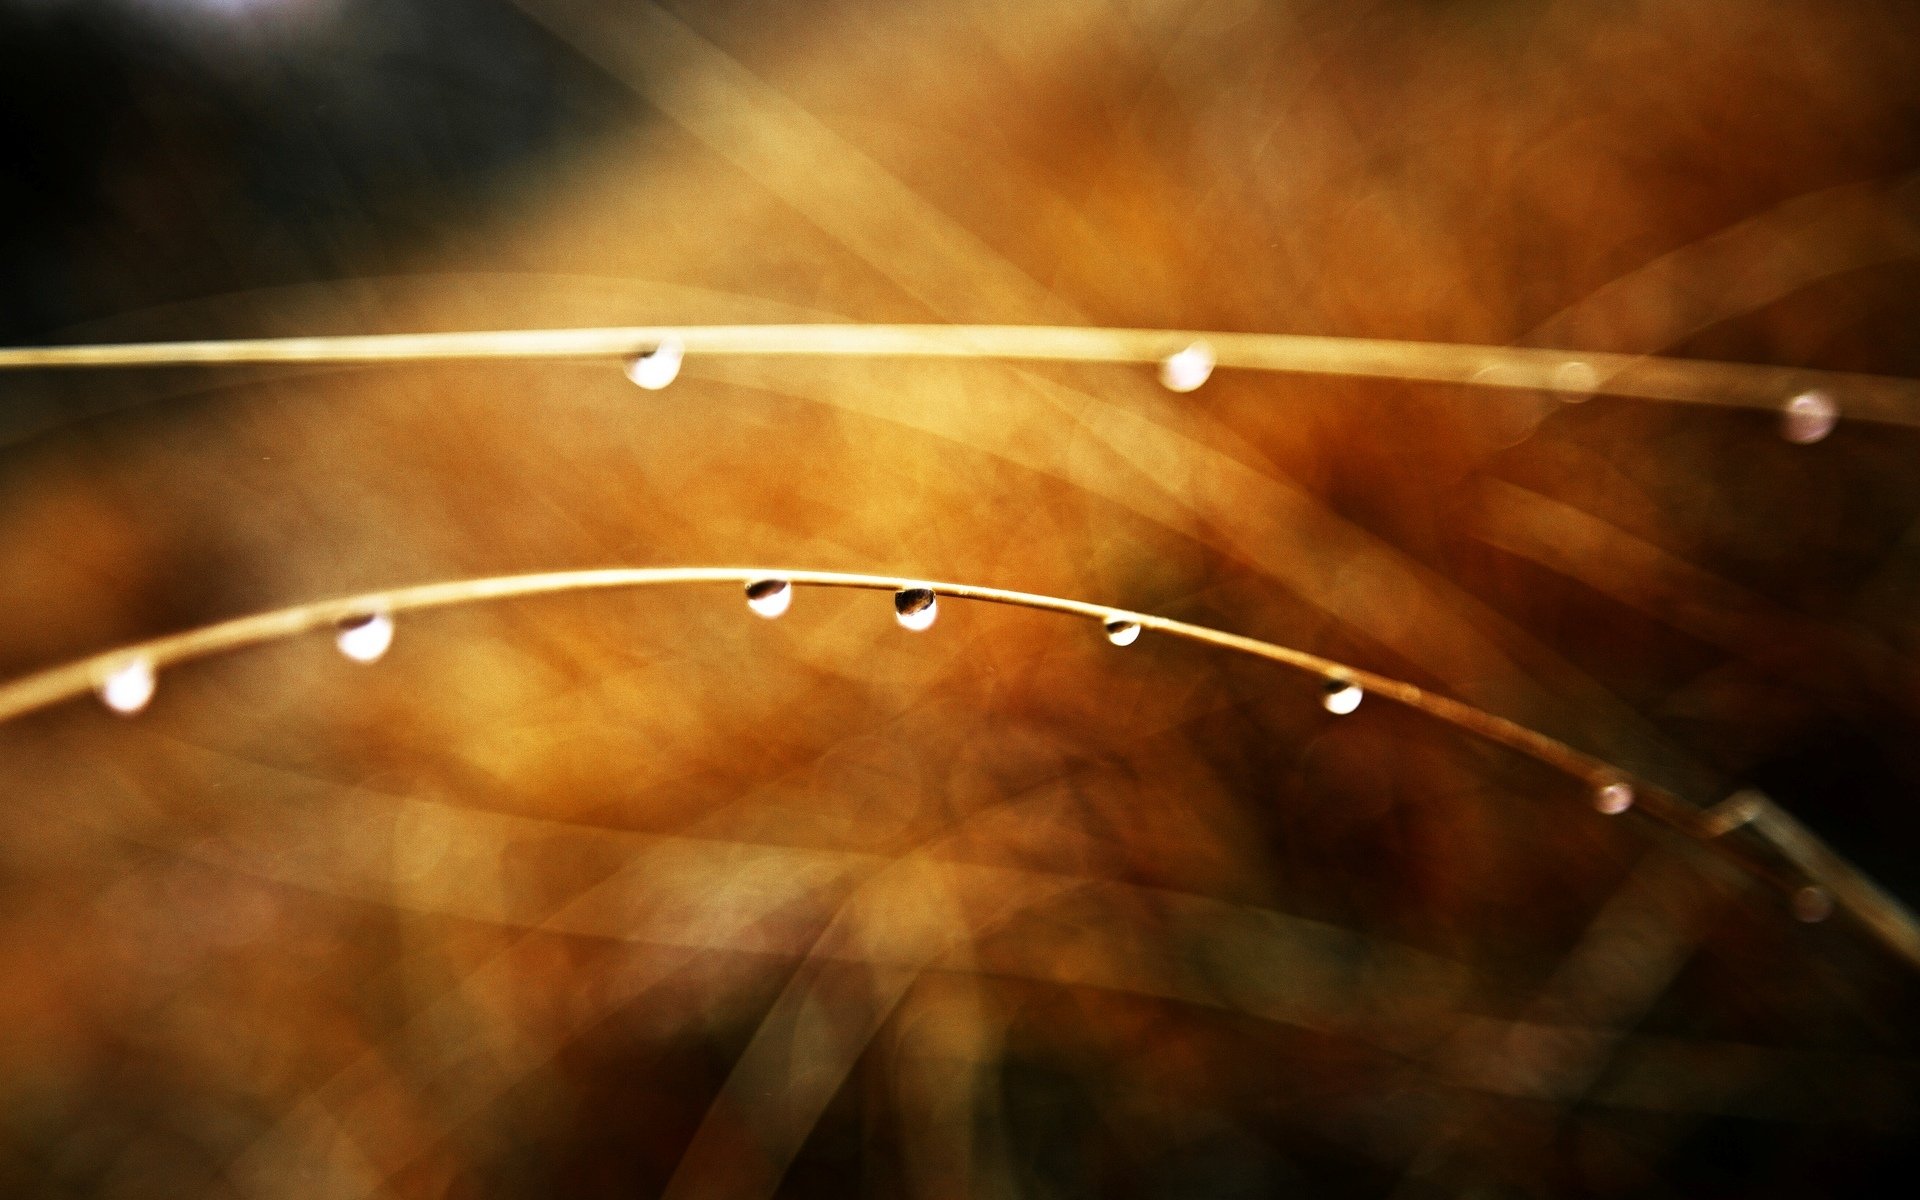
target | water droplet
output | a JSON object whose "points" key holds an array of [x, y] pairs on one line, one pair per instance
{"points": [[1187, 369], [659, 366], [916, 607], [1342, 697], [769, 597], [1122, 632], [1613, 798], [1812, 904], [1497, 375], [1575, 380], [366, 637], [127, 688], [1808, 417]]}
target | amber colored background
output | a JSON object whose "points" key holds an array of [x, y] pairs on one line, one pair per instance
{"points": [[634, 894]]}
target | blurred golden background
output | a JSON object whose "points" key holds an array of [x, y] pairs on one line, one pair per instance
{"points": [[633, 894]]}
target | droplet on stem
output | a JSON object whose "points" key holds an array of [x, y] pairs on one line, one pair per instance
{"points": [[1613, 798], [1185, 370], [1575, 380], [1122, 632], [657, 367], [769, 597], [1341, 697], [127, 688], [1812, 904], [1497, 375], [1808, 417], [364, 638], [916, 607]]}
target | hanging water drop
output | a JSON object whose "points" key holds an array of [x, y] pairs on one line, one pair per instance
{"points": [[1812, 904], [1122, 632], [1341, 697], [1613, 798], [769, 597], [1808, 417], [364, 638], [127, 688], [916, 607], [1187, 369], [657, 367], [1575, 380]]}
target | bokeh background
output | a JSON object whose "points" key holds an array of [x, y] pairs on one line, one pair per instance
{"points": [[634, 894]]}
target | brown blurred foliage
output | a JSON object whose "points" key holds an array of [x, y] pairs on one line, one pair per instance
{"points": [[634, 894]]}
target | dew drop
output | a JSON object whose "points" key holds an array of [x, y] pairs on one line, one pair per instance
{"points": [[916, 607], [1808, 417], [127, 688], [1341, 697], [769, 597], [1575, 380], [1496, 375], [1187, 369], [659, 366], [1613, 798], [1122, 632], [1812, 904], [364, 638]]}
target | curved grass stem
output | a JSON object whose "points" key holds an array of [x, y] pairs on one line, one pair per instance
{"points": [[1819, 865]]}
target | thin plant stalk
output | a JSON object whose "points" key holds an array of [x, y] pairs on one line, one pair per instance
{"points": [[1571, 373], [1817, 864]]}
